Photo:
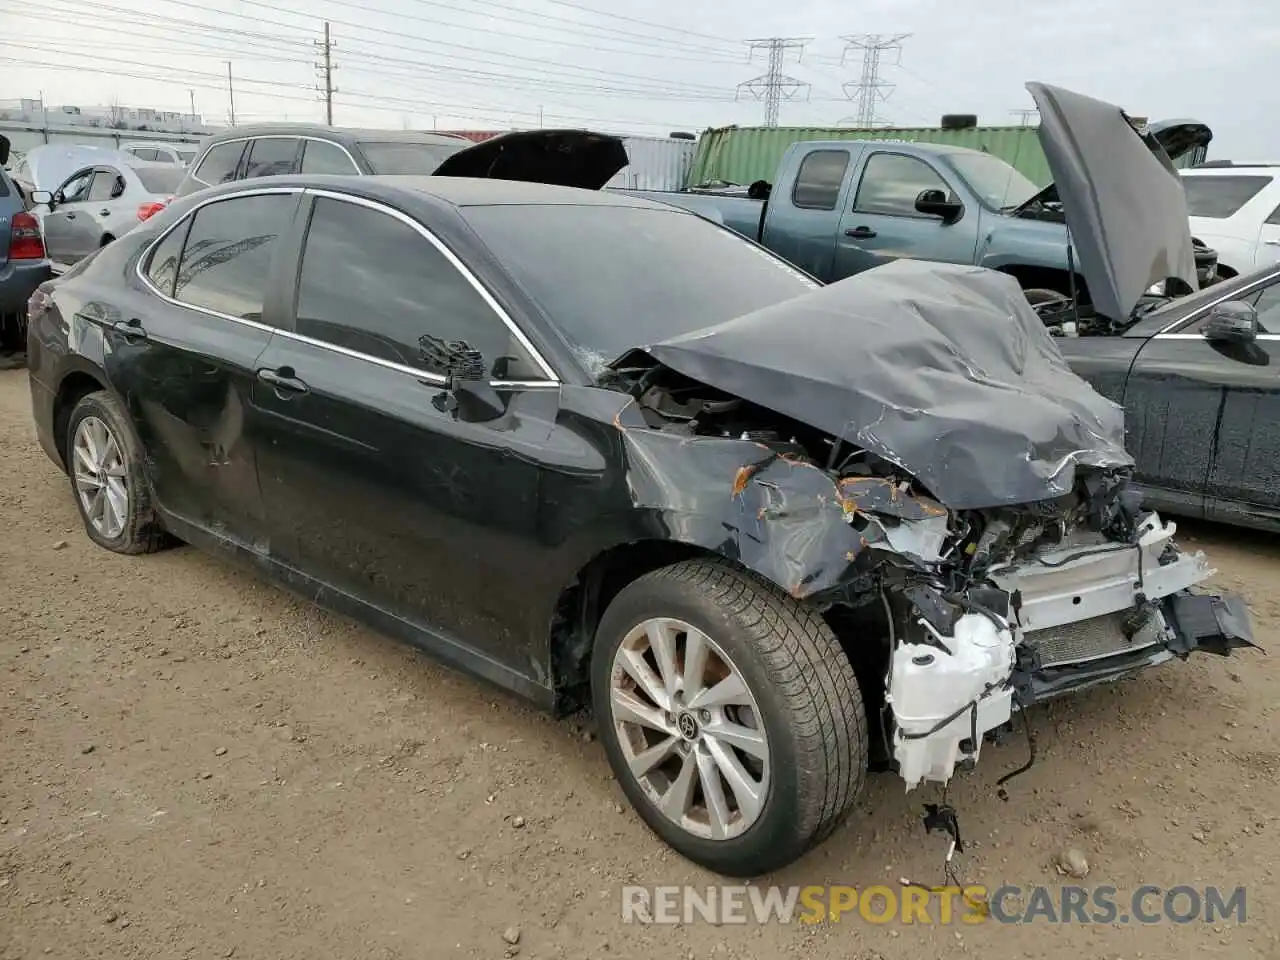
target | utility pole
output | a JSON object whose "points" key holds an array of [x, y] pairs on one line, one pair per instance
{"points": [[774, 86], [870, 90], [231, 94], [326, 68], [193, 101]]}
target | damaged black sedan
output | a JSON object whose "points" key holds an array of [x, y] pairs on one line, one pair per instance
{"points": [[602, 452]]}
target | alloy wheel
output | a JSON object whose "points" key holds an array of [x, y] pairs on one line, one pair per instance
{"points": [[689, 728], [100, 477]]}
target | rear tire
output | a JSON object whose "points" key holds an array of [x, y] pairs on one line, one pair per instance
{"points": [[798, 710], [104, 462]]}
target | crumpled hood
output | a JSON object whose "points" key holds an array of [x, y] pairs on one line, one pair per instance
{"points": [[565, 158], [942, 369], [1122, 198]]}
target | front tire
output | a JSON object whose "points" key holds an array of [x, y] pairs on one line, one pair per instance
{"points": [[104, 462], [730, 715]]}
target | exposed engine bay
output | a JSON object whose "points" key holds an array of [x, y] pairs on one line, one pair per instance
{"points": [[978, 612]]}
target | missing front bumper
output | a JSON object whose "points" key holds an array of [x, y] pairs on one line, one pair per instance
{"points": [[1180, 625]]}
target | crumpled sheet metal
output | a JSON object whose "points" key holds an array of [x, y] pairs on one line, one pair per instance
{"points": [[780, 516], [944, 370]]}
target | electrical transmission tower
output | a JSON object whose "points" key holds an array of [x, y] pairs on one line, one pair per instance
{"points": [[774, 86], [325, 67], [1024, 116], [870, 90]]}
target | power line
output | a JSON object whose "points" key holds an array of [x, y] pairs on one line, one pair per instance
{"points": [[870, 90], [774, 86], [1025, 116]]}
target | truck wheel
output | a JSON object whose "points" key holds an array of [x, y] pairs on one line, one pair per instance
{"points": [[1038, 295], [104, 462], [730, 715]]}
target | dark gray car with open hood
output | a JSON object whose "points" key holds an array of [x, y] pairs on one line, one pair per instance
{"points": [[602, 452]]}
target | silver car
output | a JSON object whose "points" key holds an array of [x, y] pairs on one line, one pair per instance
{"points": [[98, 203]]}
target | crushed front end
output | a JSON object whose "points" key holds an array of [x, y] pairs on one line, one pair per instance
{"points": [[996, 610]]}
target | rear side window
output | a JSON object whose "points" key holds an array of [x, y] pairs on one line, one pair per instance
{"points": [[143, 153], [373, 284], [107, 185], [406, 157], [1220, 197], [272, 157], [226, 261], [320, 156], [819, 180], [219, 164]]}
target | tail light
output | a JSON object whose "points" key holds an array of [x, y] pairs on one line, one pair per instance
{"points": [[25, 240], [149, 209]]}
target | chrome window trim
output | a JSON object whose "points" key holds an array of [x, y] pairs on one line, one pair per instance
{"points": [[1195, 315], [1269, 337], [355, 167], [144, 260]]}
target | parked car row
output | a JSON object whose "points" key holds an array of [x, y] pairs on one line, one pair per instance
{"points": [[602, 451]]}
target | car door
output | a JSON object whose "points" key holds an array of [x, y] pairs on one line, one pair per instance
{"points": [[186, 366], [68, 228], [883, 223], [108, 207], [1202, 415], [371, 484]]}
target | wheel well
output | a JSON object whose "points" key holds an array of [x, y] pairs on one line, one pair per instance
{"points": [[584, 600], [1047, 278], [73, 388]]}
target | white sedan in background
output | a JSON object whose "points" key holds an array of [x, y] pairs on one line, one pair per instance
{"points": [[1235, 208], [98, 203]]}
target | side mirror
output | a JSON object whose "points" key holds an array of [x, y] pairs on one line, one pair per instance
{"points": [[39, 197], [934, 203], [467, 394], [1232, 322]]}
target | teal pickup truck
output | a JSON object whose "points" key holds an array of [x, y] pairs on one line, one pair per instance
{"points": [[837, 207]]}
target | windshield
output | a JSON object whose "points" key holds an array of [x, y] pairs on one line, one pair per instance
{"points": [[997, 184], [1220, 197], [159, 179], [614, 278], [407, 157]]}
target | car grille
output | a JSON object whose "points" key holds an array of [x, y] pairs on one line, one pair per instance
{"points": [[1093, 639]]}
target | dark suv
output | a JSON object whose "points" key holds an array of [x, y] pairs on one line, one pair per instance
{"points": [[23, 263], [569, 158], [242, 153]]}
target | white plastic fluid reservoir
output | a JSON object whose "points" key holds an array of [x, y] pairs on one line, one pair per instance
{"points": [[927, 685]]}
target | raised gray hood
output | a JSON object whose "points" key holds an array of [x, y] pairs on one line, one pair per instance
{"points": [[1121, 196], [944, 370]]}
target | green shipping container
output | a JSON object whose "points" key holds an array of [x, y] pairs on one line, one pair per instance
{"points": [[745, 154]]}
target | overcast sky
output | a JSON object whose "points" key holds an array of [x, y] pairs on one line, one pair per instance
{"points": [[647, 68]]}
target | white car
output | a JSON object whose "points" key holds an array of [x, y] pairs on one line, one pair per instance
{"points": [[177, 153], [1235, 208], [98, 203]]}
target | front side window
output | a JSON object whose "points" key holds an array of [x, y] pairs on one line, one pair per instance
{"points": [[819, 180], [892, 181], [1220, 197], [373, 284], [272, 157], [320, 156], [1265, 301], [76, 189], [1275, 216], [226, 262], [397, 157], [220, 163]]}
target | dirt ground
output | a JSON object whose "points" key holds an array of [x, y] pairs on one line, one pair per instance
{"points": [[196, 764]]}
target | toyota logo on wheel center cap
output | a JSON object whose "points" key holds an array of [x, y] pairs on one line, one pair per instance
{"points": [[687, 724]]}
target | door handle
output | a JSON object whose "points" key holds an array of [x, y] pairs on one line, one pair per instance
{"points": [[104, 212], [130, 329], [70, 215], [284, 380], [860, 233]]}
